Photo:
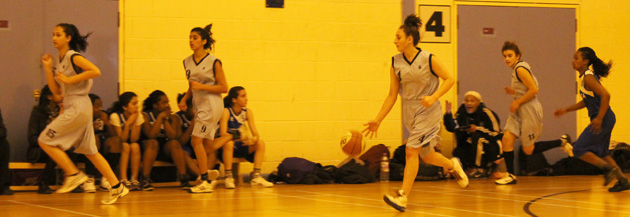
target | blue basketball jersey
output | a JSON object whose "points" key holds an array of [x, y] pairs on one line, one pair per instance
{"points": [[236, 120], [185, 122], [590, 98], [152, 120]]}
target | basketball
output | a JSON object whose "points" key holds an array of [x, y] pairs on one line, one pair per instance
{"points": [[352, 143]]}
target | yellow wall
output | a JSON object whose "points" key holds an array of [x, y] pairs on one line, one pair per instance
{"points": [[313, 69], [316, 68]]}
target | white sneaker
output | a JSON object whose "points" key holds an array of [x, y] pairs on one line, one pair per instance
{"points": [[459, 174], [566, 144], [260, 181], [229, 183], [213, 175], [508, 180], [214, 183], [204, 187], [88, 186], [105, 185], [72, 182], [399, 202], [114, 194]]}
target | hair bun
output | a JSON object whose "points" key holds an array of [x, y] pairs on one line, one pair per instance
{"points": [[413, 20], [208, 29]]}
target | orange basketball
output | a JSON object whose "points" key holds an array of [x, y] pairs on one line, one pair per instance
{"points": [[352, 143]]}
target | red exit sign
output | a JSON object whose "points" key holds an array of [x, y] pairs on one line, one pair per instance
{"points": [[4, 24]]}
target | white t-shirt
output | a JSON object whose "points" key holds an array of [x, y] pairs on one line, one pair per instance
{"points": [[114, 119]]}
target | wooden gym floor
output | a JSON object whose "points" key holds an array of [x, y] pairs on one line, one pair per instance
{"points": [[533, 196]]}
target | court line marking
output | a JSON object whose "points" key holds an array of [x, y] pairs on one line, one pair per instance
{"points": [[353, 204], [47, 207], [415, 204], [523, 201], [556, 199], [531, 202]]}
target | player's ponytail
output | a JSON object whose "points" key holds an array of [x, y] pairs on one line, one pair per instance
{"points": [[205, 33], [411, 27], [123, 100], [600, 68], [77, 42], [153, 98], [232, 94]]}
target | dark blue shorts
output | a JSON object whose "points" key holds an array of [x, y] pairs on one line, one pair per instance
{"points": [[596, 143], [240, 151]]}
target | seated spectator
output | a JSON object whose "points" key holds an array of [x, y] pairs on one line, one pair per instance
{"points": [[185, 127], [161, 135], [477, 133], [122, 146], [47, 109], [247, 144], [5, 179]]}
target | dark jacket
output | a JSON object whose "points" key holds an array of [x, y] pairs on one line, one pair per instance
{"points": [[40, 118], [487, 122]]}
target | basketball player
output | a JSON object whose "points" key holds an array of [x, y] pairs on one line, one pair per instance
{"points": [[127, 123], [235, 115], [72, 78], [419, 73], [161, 135], [526, 114], [206, 83], [592, 145]]}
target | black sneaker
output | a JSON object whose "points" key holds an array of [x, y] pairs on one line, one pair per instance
{"points": [[146, 185], [44, 189], [183, 182], [619, 187], [610, 175], [6, 191]]}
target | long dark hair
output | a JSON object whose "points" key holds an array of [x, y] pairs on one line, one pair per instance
{"points": [[93, 97], [600, 68], [411, 27], [510, 45], [77, 41], [43, 103], [153, 98], [232, 94], [123, 100], [206, 34]]}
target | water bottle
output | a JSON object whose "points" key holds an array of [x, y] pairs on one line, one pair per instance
{"points": [[384, 168]]}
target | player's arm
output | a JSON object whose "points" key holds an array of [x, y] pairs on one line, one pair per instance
{"points": [[389, 102], [148, 130], [169, 129], [441, 72], [89, 71], [528, 81], [223, 123], [252, 126]]}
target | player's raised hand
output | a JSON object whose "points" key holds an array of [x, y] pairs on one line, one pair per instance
{"points": [[47, 60], [371, 129]]}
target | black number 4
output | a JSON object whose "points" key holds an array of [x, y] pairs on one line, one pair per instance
{"points": [[435, 24]]}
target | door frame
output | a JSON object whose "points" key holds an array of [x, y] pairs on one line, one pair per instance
{"points": [[455, 35]]}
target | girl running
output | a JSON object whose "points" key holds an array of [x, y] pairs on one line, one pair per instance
{"points": [[592, 145], [72, 78], [419, 73]]}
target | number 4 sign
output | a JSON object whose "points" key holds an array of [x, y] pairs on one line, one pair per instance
{"points": [[436, 23]]}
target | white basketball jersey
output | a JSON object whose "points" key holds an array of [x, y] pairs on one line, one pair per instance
{"points": [[203, 72], [519, 88], [416, 76], [67, 67]]}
